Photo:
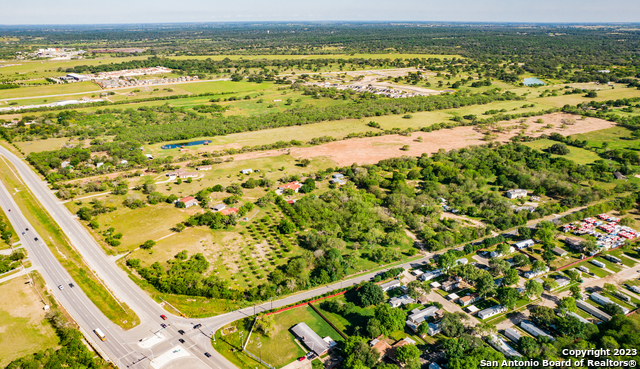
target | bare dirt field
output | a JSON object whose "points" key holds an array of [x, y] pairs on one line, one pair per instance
{"points": [[372, 150]]}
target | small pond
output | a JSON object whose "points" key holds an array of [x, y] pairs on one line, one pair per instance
{"points": [[193, 143], [532, 81]]}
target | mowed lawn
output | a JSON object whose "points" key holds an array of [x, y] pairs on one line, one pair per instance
{"points": [[281, 349], [23, 328], [615, 137], [576, 154]]}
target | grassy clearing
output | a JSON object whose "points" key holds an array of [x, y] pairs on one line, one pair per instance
{"points": [[611, 266], [578, 155], [279, 349], [50, 90], [615, 137], [607, 93], [53, 236], [594, 269], [23, 327], [620, 255]]}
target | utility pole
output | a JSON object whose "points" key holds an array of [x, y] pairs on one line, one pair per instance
{"points": [[260, 349]]}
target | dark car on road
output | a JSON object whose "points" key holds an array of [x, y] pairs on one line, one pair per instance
{"points": [[181, 331], [197, 326], [207, 354], [181, 340], [163, 325], [36, 238]]}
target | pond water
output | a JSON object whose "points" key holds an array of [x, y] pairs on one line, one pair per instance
{"points": [[193, 143], [533, 81]]}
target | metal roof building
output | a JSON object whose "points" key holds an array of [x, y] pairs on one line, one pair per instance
{"points": [[533, 330], [310, 338], [593, 310], [512, 334]]}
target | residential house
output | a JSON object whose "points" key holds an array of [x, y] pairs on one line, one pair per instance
{"points": [[219, 207], [434, 328], [462, 261], [188, 201], [381, 347], [295, 186], [512, 334], [533, 330], [489, 312], [495, 254], [517, 193], [583, 320], [338, 179], [394, 302], [605, 300], [418, 316], [311, 339], [228, 211], [558, 251], [502, 346], [204, 167], [434, 366], [524, 244], [391, 354], [469, 299], [430, 275], [390, 285], [534, 273], [574, 243], [449, 285], [562, 282], [593, 310]]}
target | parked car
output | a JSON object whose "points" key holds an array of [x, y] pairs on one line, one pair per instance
{"points": [[301, 358]]}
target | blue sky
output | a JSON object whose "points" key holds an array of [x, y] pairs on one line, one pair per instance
{"points": [[152, 11]]}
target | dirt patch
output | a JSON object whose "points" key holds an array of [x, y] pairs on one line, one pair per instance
{"points": [[373, 149], [465, 220]]}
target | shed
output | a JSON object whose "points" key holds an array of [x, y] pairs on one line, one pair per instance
{"points": [[558, 251]]}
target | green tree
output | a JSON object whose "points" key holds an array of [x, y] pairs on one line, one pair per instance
{"points": [[446, 260], [559, 149], [390, 319], [568, 304], [148, 244], [369, 294], [406, 353], [576, 292], [286, 226], [511, 277], [508, 297], [485, 285], [452, 325], [533, 289], [359, 354]]}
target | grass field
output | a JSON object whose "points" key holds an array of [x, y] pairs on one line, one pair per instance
{"points": [[578, 155], [620, 255], [53, 236], [615, 137], [594, 269], [50, 90], [23, 327], [280, 348]]}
